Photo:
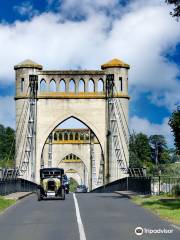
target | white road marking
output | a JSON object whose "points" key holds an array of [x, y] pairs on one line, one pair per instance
{"points": [[79, 221]]}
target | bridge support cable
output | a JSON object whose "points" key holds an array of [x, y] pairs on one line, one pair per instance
{"points": [[117, 141], [134, 172], [27, 164], [116, 129], [23, 132], [118, 124], [117, 112], [22, 123], [14, 172]]}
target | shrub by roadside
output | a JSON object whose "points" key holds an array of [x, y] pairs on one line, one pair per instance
{"points": [[176, 190]]}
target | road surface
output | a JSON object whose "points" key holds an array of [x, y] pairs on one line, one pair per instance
{"points": [[81, 217]]}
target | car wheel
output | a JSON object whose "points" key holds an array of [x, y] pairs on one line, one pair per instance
{"points": [[63, 194], [39, 197]]}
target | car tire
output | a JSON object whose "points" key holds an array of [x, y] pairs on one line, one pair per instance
{"points": [[63, 194], [39, 197]]}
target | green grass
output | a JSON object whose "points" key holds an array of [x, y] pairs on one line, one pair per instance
{"points": [[166, 207], [5, 203]]}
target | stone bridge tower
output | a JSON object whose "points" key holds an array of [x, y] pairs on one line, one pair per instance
{"points": [[62, 94]]}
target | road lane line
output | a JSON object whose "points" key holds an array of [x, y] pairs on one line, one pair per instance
{"points": [[79, 221]]}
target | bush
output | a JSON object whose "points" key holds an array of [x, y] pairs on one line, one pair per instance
{"points": [[176, 190]]}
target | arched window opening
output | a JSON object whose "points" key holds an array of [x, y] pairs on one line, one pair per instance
{"points": [[76, 136], [81, 87], [62, 86], [71, 157], [52, 86], [91, 86], [72, 86], [81, 136], [121, 84], [60, 136], [22, 84], [43, 86], [87, 136], [71, 136], [55, 136], [66, 136], [100, 85]]}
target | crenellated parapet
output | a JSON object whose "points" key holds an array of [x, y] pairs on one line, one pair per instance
{"points": [[72, 83]]}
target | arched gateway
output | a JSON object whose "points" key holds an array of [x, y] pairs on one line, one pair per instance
{"points": [[46, 98]]}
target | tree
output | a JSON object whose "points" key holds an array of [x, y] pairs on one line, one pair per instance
{"points": [[7, 146], [159, 150], [176, 10], [174, 123], [139, 150]]}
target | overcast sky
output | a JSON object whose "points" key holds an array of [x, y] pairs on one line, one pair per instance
{"points": [[73, 34]]}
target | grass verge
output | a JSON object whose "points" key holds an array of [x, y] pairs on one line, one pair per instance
{"points": [[5, 203], [166, 207]]}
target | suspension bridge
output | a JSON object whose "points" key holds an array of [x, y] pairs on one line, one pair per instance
{"points": [[97, 98], [97, 155]]}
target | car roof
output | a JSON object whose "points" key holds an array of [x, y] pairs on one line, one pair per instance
{"points": [[51, 169]]}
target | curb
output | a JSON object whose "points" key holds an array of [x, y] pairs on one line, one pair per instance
{"points": [[23, 196], [16, 198], [16, 202], [127, 195]]}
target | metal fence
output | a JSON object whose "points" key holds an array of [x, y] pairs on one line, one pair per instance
{"points": [[8, 186], [141, 185], [163, 184]]}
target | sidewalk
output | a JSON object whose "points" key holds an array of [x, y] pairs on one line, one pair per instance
{"points": [[17, 195], [127, 194]]}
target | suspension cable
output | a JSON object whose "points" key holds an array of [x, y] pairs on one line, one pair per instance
{"points": [[119, 100], [7, 158]]}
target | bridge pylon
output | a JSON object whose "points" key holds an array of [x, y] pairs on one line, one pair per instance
{"points": [[99, 99]]}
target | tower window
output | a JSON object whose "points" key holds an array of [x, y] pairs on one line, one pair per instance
{"points": [[120, 82], [55, 136], [22, 84]]}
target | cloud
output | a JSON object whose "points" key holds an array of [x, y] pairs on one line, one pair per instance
{"points": [[7, 111], [25, 9], [139, 32], [145, 126], [84, 8]]}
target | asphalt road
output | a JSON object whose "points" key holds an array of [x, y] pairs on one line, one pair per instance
{"points": [[102, 217]]}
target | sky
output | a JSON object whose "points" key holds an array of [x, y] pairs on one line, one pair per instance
{"points": [[73, 34]]}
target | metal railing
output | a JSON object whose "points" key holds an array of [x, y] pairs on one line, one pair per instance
{"points": [[8, 186], [163, 184], [141, 185]]}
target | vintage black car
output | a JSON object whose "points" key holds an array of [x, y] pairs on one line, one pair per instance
{"points": [[51, 183]]}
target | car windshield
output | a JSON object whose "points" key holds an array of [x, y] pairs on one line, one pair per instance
{"points": [[50, 173], [81, 186]]}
